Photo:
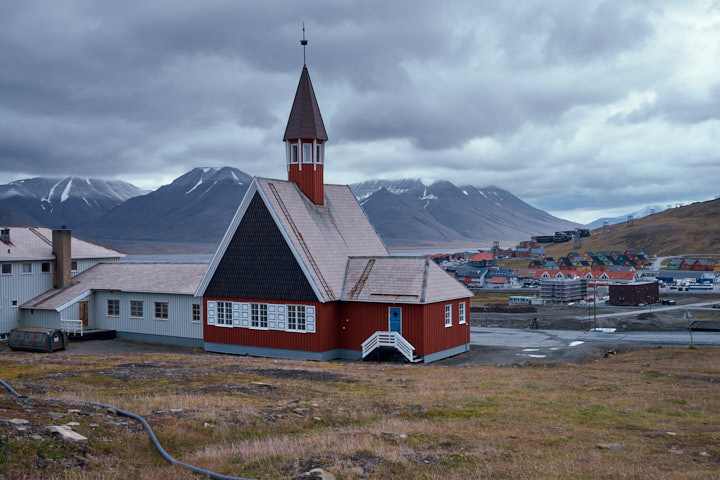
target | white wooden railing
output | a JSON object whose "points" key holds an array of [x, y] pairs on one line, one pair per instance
{"points": [[388, 339], [72, 326]]}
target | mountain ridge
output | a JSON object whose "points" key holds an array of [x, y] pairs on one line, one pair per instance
{"points": [[461, 215], [197, 207], [59, 201]]}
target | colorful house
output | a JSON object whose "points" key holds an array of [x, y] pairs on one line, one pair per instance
{"points": [[301, 273]]}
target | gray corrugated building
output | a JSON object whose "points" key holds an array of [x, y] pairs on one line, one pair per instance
{"points": [[28, 267]]}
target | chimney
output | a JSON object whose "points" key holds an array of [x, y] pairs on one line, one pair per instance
{"points": [[5, 235], [63, 261]]}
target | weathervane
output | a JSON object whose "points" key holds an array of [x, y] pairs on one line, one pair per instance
{"points": [[303, 42]]}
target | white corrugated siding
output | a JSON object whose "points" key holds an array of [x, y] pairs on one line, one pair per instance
{"points": [[178, 324], [20, 287], [24, 287], [40, 318]]}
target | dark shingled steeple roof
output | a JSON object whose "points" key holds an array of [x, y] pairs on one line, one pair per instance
{"points": [[305, 120]]}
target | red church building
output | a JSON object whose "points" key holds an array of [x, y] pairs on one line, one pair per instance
{"points": [[301, 272]]}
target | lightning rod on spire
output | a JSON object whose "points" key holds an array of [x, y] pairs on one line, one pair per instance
{"points": [[303, 42]]}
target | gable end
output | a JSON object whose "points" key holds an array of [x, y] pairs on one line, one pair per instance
{"points": [[258, 263]]}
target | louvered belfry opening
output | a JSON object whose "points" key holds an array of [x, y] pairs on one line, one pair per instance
{"points": [[305, 138]]}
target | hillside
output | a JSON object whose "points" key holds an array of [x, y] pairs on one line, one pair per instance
{"points": [[409, 213], [195, 208], [693, 228]]}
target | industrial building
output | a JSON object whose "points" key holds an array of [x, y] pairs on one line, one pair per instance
{"points": [[634, 293]]}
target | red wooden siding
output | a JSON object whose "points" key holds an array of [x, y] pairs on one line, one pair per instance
{"points": [[438, 337], [359, 320], [422, 325], [309, 178], [324, 338]]}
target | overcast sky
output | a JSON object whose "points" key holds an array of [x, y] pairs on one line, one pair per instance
{"points": [[581, 108]]}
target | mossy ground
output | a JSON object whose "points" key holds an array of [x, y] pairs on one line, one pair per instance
{"points": [[649, 413]]}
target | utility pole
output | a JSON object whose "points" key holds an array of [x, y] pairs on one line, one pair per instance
{"points": [[595, 305], [688, 317]]}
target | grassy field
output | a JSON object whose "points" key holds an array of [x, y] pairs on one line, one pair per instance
{"points": [[643, 414]]}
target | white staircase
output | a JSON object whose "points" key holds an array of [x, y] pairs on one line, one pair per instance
{"points": [[389, 339]]}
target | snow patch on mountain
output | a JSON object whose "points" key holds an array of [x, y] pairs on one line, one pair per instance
{"points": [[66, 192]]}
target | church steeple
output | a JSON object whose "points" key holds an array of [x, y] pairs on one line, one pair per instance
{"points": [[305, 139]]}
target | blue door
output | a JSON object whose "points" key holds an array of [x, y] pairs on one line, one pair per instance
{"points": [[396, 319]]}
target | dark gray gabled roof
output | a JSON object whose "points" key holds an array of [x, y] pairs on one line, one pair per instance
{"points": [[305, 120]]}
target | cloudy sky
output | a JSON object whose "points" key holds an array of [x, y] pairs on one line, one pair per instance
{"points": [[580, 108]]}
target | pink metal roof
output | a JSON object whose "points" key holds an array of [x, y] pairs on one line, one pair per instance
{"points": [[399, 280]]}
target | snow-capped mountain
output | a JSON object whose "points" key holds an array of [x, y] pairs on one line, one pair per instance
{"points": [[70, 201], [623, 218], [195, 207], [407, 212]]}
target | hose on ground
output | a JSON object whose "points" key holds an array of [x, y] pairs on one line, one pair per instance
{"points": [[151, 434]]}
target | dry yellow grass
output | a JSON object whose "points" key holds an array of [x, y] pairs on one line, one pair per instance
{"points": [[643, 414]]}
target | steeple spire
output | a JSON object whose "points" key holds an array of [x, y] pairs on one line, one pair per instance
{"points": [[305, 138]]}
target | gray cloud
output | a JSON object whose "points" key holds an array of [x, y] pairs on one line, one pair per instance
{"points": [[517, 95]]}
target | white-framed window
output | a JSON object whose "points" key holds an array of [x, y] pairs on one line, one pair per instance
{"points": [[318, 154], [73, 266], [6, 269], [45, 267], [14, 303], [195, 312], [307, 153], [113, 308], [161, 311], [294, 154], [296, 317], [258, 315], [136, 308], [224, 313], [448, 315], [461, 312], [27, 268]]}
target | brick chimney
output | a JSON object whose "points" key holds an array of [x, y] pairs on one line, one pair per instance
{"points": [[63, 261]]}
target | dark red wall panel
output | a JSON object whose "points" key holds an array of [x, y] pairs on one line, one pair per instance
{"points": [[324, 338]]}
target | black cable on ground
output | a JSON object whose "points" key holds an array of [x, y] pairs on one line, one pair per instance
{"points": [[144, 423]]}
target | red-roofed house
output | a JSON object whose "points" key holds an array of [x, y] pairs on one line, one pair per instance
{"points": [[482, 259]]}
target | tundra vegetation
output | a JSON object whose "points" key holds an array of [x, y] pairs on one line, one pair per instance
{"points": [[650, 413]]}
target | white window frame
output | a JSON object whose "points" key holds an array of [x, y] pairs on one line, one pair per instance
{"points": [[167, 311], [142, 308], [2, 268], [294, 153], [223, 315], [116, 303], [30, 269], [296, 318], [73, 266], [14, 304], [461, 312], [259, 316], [448, 315], [193, 308], [319, 153], [307, 152]]}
